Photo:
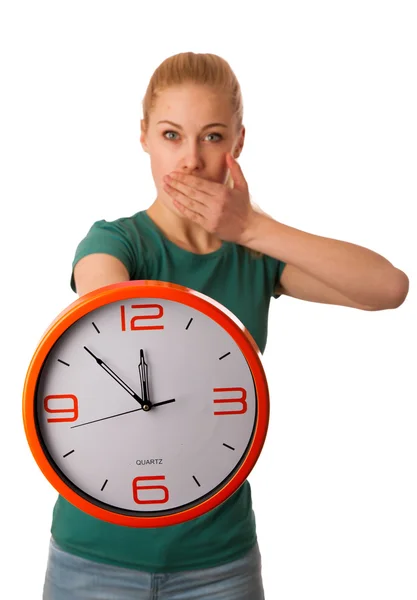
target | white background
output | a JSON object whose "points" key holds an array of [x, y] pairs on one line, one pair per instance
{"points": [[330, 111]]}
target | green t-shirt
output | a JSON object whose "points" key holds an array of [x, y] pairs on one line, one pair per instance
{"points": [[242, 283]]}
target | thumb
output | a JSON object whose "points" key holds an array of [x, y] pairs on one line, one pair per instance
{"points": [[236, 172]]}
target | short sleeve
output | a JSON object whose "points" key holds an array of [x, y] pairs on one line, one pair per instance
{"points": [[279, 270], [108, 237]]}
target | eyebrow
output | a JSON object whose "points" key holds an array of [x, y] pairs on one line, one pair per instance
{"points": [[205, 126]]}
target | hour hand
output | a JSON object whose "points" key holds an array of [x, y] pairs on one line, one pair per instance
{"points": [[120, 381], [144, 381]]}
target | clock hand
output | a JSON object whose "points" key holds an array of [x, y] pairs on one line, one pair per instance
{"points": [[164, 402], [143, 375], [120, 414], [144, 404]]}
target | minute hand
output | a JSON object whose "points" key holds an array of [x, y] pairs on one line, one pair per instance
{"points": [[116, 378]]}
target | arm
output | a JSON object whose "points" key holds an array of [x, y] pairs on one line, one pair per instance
{"points": [[317, 268], [97, 270], [326, 270]]}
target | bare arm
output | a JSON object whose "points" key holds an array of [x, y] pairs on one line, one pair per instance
{"points": [[97, 270], [327, 270]]}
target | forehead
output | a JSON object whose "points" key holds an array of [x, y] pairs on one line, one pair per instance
{"points": [[192, 102]]}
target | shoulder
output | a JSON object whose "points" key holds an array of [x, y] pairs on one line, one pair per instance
{"points": [[111, 244], [124, 231], [123, 226]]}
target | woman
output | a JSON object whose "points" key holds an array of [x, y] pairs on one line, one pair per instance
{"points": [[202, 232]]}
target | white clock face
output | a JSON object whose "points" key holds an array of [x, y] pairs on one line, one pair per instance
{"points": [[106, 446]]}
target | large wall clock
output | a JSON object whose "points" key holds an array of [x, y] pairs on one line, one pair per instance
{"points": [[146, 404]]}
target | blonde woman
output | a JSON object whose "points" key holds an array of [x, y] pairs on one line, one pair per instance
{"points": [[201, 231]]}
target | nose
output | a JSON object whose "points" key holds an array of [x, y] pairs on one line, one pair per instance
{"points": [[191, 159]]}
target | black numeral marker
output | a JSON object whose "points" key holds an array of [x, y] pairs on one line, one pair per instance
{"points": [[104, 485], [227, 446], [189, 323], [63, 362], [224, 355], [95, 327], [196, 481], [68, 453]]}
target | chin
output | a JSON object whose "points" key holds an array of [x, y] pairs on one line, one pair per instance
{"points": [[167, 202]]}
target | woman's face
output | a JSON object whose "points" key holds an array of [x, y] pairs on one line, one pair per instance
{"points": [[200, 131]]}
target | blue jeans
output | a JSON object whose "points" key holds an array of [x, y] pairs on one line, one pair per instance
{"points": [[69, 577]]}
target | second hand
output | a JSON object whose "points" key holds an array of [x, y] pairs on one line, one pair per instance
{"points": [[120, 414]]}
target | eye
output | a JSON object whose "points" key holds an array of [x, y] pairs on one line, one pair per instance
{"points": [[165, 132], [218, 135], [175, 133]]}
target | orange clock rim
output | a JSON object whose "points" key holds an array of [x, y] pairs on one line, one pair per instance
{"points": [[168, 291]]}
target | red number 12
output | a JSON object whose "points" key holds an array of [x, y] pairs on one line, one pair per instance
{"points": [[133, 320]]}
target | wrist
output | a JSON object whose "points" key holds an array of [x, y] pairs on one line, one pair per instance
{"points": [[256, 225]]}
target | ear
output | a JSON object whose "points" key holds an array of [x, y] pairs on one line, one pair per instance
{"points": [[143, 136], [240, 143]]}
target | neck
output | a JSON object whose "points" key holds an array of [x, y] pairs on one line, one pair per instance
{"points": [[181, 231]]}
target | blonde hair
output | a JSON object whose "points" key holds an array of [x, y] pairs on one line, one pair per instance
{"points": [[201, 69]]}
